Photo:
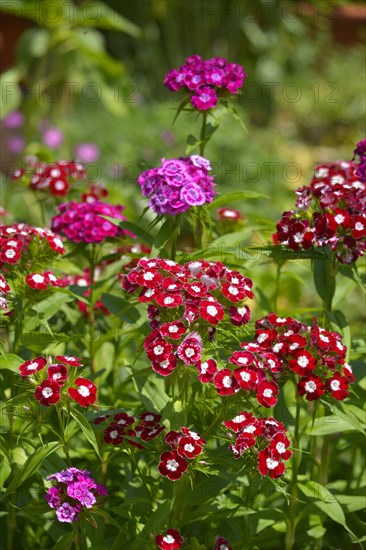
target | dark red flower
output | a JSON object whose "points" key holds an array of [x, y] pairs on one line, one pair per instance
{"points": [[189, 351], [206, 370], [303, 363], [211, 311], [188, 447], [171, 300], [174, 329], [225, 383], [221, 544], [37, 281], [338, 386], [159, 350], [239, 315], [69, 360], [267, 463], [278, 446], [57, 373], [32, 366], [266, 393], [123, 419], [246, 377], [311, 386], [165, 367], [114, 434], [171, 465], [47, 393]]}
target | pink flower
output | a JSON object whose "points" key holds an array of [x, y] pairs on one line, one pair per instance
{"points": [[53, 137], [87, 152]]}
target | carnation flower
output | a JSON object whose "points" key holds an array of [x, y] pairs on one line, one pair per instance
{"points": [[85, 393]]}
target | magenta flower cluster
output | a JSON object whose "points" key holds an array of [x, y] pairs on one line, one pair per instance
{"points": [[361, 152], [83, 221], [74, 492], [178, 184], [205, 79]]}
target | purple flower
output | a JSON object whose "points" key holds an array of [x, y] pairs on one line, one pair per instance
{"points": [[87, 152], [13, 120], [53, 497], [66, 513], [204, 98], [178, 184], [361, 152], [16, 144], [53, 137]]}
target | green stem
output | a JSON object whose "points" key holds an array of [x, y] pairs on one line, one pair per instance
{"points": [[179, 499], [62, 433], [76, 535], [277, 286], [91, 316], [11, 522], [203, 142], [292, 520]]}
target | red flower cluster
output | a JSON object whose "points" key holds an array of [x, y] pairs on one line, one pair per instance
{"points": [[48, 390], [40, 281], [19, 239], [4, 289], [122, 425], [54, 178], [283, 347], [184, 444], [337, 218], [267, 438], [172, 540], [198, 292]]}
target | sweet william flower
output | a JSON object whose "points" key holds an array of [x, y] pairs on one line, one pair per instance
{"points": [[225, 383], [268, 464], [48, 393], [221, 544], [33, 365], [188, 447], [338, 386], [172, 540], [57, 373], [69, 360], [172, 466], [67, 513], [85, 393], [267, 393], [311, 386]]}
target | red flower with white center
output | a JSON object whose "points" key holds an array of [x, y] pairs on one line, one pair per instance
{"points": [[266, 393], [322, 338], [32, 366], [174, 330], [296, 342], [271, 426], [239, 315], [170, 265], [193, 435], [338, 386], [196, 268], [171, 465], [303, 363], [206, 370], [278, 446], [347, 371], [228, 214], [57, 373], [234, 277], [169, 300], [51, 278], [172, 438], [246, 377], [237, 424], [311, 386], [222, 544], [197, 290], [56, 244], [159, 350], [148, 295], [358, 226], [150, 418], [4, 287], [172, 540], [165, 367], [265, 337], [47, 393], [69, 360], [149, 263], [225, 383], [148, 279], [86, 392], [269, 464], [123, 419], [211, 311], [190, 312], [242, 359], [270, 361], [10, 255], [243, 442], [234, 293], [189, 351], [114, 434], [37, 281], [189, 447], [171, 285], [149, 431]]}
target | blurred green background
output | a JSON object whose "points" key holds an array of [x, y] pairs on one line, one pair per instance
{"points": [[95, 72]]}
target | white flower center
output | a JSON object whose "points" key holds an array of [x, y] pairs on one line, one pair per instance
{"points": [[172, 465], [310, 386], [158, 350], [245, 376], [113, 434], [267, 393], [335, 385], [339, 218], [169, 539], [148, 276], [302, 361], [174, 329], [280, 447], [38, 278], [212, 310], [168, 300], [271, 463], [189, 352], [47, 392], [359, 226], [84, 391], [233, 290], [238, 419], [189, 448], [226, 382]]}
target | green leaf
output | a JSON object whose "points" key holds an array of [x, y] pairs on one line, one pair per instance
{"points": [[329, 425], [32, 464], [353, 503], [120, 307], [138, 231], [86, 429], [65, 542], [158, 517], [324, 280], [323, 499], [233, 197], [5, 468], [11, 362], [236, 115], [165, 232]]}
